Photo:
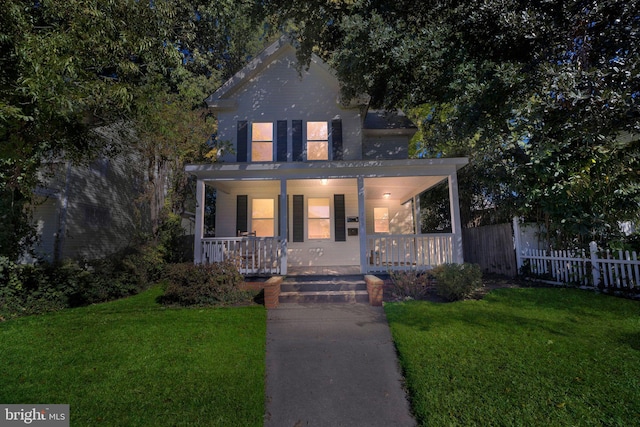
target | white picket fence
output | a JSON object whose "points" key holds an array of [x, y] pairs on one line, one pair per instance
{"points": [[613, 270]]}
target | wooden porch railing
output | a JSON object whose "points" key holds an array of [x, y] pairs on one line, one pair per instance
{"points": [[253, 255], [408, 251]]}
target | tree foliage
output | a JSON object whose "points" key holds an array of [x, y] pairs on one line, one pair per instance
{"points": [[68, 68], [543, 96]]}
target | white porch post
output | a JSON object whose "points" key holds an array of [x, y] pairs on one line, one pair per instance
{"points": [[456, 227], [197, 242], [284, 225], [362, 226]]}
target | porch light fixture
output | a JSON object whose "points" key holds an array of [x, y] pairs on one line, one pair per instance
{"points": [[324, 181], [386, 195]]}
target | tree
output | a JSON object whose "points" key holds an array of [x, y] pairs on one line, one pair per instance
{"points": [[542, 96], [68, 68]]}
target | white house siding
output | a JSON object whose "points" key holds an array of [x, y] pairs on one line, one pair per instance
{"points": [[310, 252], [226, 209], [325, 252], [279, 93], [400, 216], [103, 214], [226, 214], [89, 211]]}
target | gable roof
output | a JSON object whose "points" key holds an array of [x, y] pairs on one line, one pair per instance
{"points": [[220, 99], [376, 122]]}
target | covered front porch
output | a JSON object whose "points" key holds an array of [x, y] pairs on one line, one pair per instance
{"points": [[363, 216]]}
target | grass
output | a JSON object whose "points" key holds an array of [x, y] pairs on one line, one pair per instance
{"points": [[521, 357], [132, 362]]}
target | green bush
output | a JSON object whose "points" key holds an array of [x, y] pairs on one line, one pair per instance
{"points": [[27, 289], [409, 284], [38, 288], [204, 285], [457, 281]]}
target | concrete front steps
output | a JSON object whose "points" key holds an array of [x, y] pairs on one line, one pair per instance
{"points": [[324, 289]]}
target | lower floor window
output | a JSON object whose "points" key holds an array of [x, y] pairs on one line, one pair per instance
{"points": [[380, 220], [263, 217], [319, 218]]}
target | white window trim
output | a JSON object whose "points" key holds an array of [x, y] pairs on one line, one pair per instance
{"points": [[331, 219], [305, 141], [250, 217], [373, 215], [273, 141]]}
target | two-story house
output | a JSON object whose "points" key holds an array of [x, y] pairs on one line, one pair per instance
{"points": [[313, 182]]}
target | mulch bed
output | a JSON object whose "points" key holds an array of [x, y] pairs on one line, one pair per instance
{"points": [[490, 282]]}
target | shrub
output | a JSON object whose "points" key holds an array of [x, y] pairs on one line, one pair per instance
{"points": [[457, 281], [27, 289], [409, 284], [204, 285], [38, 288]]}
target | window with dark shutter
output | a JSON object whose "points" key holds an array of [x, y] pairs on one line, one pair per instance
{"points": [[298, 218], [340, 224], [281, 141], [336, 139], [242, 203], [279, 222], [296, 140], [242, 141]]}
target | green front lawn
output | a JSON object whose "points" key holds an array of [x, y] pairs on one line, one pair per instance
{"points": [[529, 357], [135, 363]]}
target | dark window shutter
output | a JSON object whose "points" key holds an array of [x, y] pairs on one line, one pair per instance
{"points": [[296, 139], [336, 139], [242, 140], [242, 203], [298, 218], [278, 213], [281, 141], [340, 224]]}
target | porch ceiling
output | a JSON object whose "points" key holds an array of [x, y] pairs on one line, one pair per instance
{"points": [[399, 188]]}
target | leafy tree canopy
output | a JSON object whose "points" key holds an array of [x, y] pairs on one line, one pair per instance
{"points": [[543, 96], [70, 67]]}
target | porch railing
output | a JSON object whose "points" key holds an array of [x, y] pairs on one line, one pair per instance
{"points": [[253, 255], [410, 251]]}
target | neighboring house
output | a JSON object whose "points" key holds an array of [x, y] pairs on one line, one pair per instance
{"points": [[313, 182], [87, 211]]}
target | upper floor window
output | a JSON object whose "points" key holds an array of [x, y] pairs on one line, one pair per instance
{"points": [[262, 142], [317, 141]]}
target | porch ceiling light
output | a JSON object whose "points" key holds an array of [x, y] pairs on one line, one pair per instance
{"points": [[324, 181], [386, 195]]}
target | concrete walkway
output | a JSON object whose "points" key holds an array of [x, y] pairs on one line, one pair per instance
{"points": [[332, 365]]}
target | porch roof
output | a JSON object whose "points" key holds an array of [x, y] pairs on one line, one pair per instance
{"points": [[328, 170]]}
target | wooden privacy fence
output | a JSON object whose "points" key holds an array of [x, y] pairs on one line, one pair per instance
{"points": [[612, 270], [491, 247]]}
